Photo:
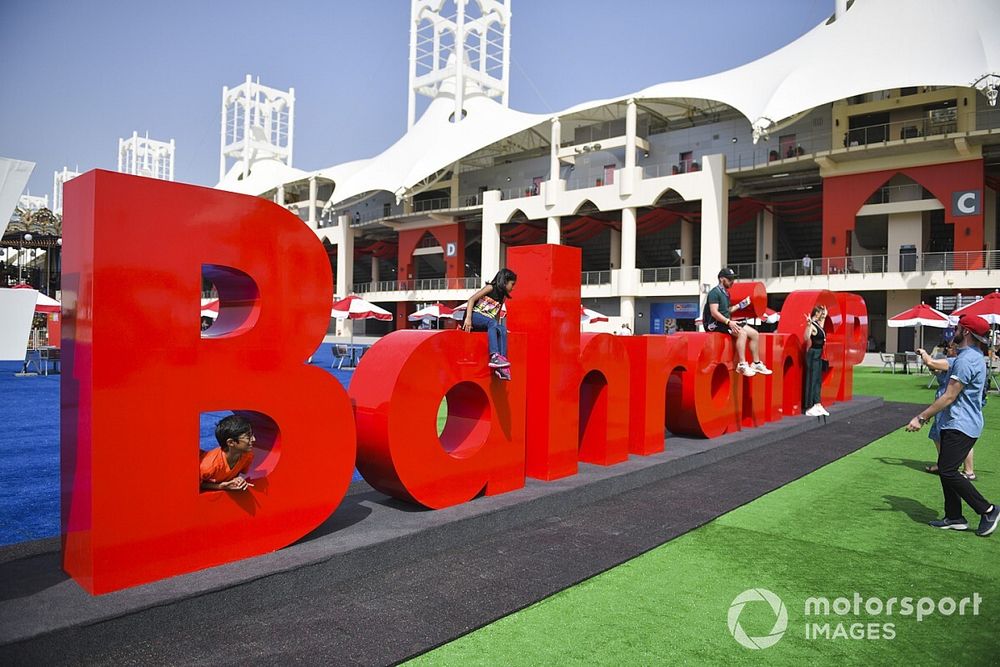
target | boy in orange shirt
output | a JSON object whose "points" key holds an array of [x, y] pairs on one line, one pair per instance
{"points": [[220, 468]]}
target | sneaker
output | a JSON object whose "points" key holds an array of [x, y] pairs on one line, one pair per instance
{"points": [[503, 374], [504, 361], [496, 361], [813, 412], [971, 476], [744, 369], [822, 410], [954, 524], [759, 367], [989, 522]]}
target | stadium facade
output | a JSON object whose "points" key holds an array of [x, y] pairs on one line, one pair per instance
{"points": [[864, 156]]}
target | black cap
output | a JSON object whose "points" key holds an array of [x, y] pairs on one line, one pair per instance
{"points": [[727, 273]]}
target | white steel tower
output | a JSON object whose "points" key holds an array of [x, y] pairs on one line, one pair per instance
{"points": [[257, 122], [142, 156], [58, 179], [481, 27]]}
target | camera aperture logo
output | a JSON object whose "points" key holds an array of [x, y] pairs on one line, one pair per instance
{"points": [[780, 621]]}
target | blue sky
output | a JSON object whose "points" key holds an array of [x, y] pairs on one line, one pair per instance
{"points": [[76, 76]]}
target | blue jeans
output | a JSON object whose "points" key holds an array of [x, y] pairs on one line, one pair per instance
{"points": [[496, 333]]}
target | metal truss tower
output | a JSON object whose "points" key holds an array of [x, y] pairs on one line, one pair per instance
{"points": [[257, 122], [142, 156], [437, 29]]}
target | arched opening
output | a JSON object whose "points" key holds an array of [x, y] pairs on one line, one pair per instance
{"points": [[464, 420]]}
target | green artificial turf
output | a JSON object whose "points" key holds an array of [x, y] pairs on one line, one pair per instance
{"points": [[856, 525]]}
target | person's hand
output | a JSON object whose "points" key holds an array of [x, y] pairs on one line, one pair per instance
{"points": [[467, 325], [914, 424], [734, 327], [921, 351], [235, 484]]}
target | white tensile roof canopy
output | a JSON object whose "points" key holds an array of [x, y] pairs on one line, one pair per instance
{"points": [[875, 45]]}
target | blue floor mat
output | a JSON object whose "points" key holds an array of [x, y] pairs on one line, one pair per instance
{"points": [[29, 443]]}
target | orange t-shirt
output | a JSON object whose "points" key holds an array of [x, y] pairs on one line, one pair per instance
{"points": [[214, 468]]}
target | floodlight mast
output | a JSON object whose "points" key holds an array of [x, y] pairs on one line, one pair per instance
{"points": [[470, 50]]}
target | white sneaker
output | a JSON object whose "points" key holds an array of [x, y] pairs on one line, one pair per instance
{"points": [[813, 411], [744, 369], [759, 367], [822, 410]]}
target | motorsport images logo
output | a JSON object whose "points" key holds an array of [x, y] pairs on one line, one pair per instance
{"points": [[780, 618]]}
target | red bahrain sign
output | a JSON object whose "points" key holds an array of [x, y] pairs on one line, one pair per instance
{"points": [[139, 373]]}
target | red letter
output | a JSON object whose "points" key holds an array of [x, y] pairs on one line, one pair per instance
{"points": [[653, 360], [707, 399], [397, 390], [604, 399], [546, 307], [140, 373]]}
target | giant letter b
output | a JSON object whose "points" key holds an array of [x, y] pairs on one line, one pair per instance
{"points": [[139, 373]]}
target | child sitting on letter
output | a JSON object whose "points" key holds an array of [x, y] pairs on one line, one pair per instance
{"points": [[220, 468]]}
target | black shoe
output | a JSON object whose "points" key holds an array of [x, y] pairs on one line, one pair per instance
{"points": [[988, 523], [503, 374], [954, 524]]}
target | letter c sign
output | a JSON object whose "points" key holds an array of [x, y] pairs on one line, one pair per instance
{"points": [[966, 203]]}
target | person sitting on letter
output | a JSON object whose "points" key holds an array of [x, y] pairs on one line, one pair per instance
{"points": [[716, 320]]}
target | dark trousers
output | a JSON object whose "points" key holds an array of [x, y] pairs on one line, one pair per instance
{"points": [[814, 377], [955, 446]]}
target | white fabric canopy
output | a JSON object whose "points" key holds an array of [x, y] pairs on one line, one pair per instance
{"points": [[14, 175], [876, 45]]}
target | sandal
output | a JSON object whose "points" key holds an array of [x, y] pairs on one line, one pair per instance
{"points": [[932, 469]]}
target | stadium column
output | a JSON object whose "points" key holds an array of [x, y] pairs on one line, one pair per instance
{"points": [[279, 197], [345, 265], [714, 223], [990, 219], [765, 241], [627, 274], [687, 248], [312, 202], [375, 273], [490, 261], [627, 179], [552, 188]]}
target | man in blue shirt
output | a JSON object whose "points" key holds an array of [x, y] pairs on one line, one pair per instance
{"points": [[961, 408]]}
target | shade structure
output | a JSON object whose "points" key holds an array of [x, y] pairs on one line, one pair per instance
{"points": [[43, 303], [588, 316], [356, 308], [435, 310], [210, 308], [920, 316], [987, 308]]}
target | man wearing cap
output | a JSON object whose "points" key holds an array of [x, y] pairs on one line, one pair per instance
{"points": [[961, 408], [716, 319]]}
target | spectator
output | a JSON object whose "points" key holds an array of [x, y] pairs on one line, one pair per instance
{"points": [[962, 423], [942, 367], [716, 319], [220, 468], [814, 361], [807, 264], [483, 313]]}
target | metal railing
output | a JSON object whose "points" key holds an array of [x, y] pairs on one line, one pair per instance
{"points": [[424, 205], [595, 278], [980, 260], [592, 178], [897, 193], [517, 192], [468, 282], [669, 274]]}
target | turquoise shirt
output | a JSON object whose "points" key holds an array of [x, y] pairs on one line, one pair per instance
{"points": [[966, 413]]}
